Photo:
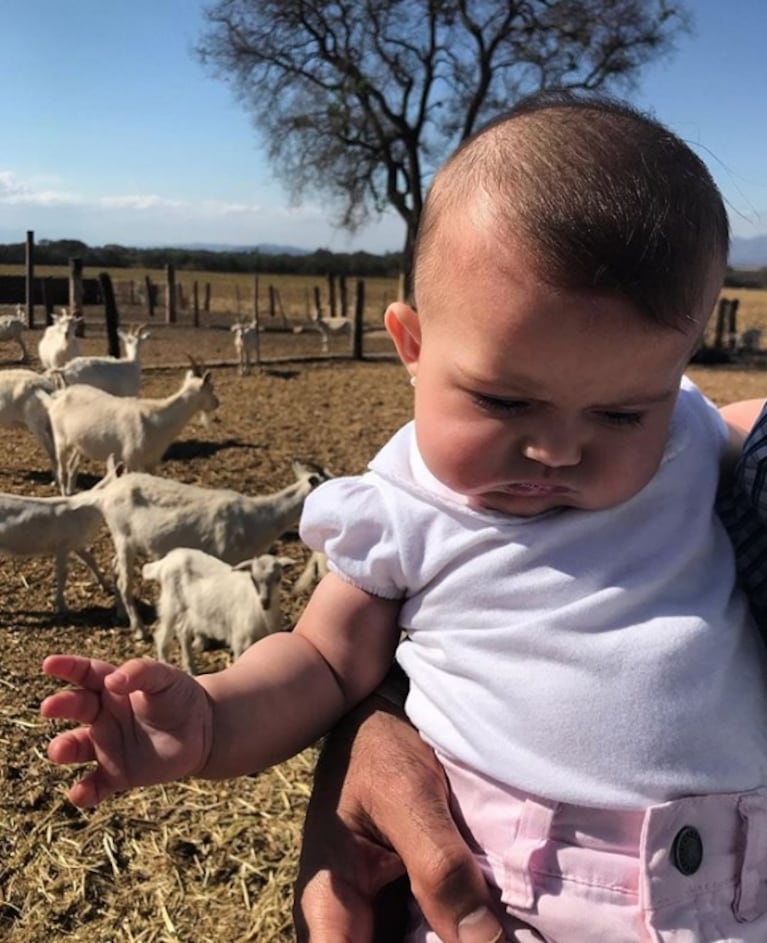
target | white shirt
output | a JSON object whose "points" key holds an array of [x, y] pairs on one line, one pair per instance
{"points": [[594, 657]]}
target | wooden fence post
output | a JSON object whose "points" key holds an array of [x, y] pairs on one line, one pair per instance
{"points": [[359, 311], [29, 264], [206, 300], [732, 323], [332, 294], [149, 289], [76, 283], [272, 302], [344, 296], [111, 315], [317, 301], [170, 294], [195, 304]]}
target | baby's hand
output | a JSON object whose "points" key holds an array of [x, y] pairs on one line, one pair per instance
{"points": [[143, 723]]}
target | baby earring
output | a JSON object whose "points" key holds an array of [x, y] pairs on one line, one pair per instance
{"points": [[412, 381]]}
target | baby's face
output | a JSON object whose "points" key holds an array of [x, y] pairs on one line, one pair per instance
{"points": [[528, 398]]}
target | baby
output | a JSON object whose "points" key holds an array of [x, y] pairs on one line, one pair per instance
{"points": [[543, 533]]}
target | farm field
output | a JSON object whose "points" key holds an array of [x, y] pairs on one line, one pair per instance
{"points": [[233, 294], [195, 861]]}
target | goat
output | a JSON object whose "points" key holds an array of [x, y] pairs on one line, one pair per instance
{"points": [[316, 567], [21, 406], [58, 343], [203, 598], [89, 422], [331, 327], [12, 329], [148, 516], [245, 342], [118, 377], [58, 526]]}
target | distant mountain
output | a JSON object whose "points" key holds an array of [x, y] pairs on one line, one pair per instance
{"points": [[749, 252]]}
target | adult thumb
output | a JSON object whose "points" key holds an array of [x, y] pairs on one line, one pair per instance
{"points": [[448, 884]]}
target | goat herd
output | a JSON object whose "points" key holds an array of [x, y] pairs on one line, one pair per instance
{"points": [[207, 548]]}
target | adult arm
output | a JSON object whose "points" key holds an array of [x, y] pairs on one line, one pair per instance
{"points": [[739, 418], [379, 809]]}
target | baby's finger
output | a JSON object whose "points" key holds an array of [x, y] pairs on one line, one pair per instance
{"points": [[72, 746], [93, 788], [75, 704], [142, 674], [87, 672]]}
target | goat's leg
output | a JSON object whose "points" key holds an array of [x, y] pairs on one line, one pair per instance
{"points": [[61, 581], [72, 466], [24, 351], [125, 561], [185, 638], [163, 631], [90, 561]]}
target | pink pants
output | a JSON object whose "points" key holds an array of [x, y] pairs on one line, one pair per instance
{"points": [[689, 871]]}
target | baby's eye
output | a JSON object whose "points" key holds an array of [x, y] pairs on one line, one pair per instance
{"points": [[617, 417], [495, 404]]}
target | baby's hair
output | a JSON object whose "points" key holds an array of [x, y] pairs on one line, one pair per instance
{"points": [[606, 197]]}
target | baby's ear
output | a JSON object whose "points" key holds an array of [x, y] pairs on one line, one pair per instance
{"points": [[405, 330]]}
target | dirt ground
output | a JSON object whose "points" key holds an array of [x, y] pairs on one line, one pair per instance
{"points": [[191, 861]]}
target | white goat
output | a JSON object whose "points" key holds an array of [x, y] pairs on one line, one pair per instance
{"points": [[58, 343], [203, 598], [12, 329], [148, 516], [331, 327], [22, 407], [118, 377], [245, 343], [35, 527], [91, 423], [316, 567]]}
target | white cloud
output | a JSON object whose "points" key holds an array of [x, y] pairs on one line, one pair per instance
{"points": [[46, 206]]}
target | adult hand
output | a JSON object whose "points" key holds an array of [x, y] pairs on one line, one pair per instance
{"points": [[379, 809], [143, 723]]}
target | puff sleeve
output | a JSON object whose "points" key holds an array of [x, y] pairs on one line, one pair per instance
{"points": [[350, 520]]}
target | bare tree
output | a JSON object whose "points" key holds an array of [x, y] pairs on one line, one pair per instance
{"points": [[361, 99]]}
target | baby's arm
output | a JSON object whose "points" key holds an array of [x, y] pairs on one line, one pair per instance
{"points": [[146, 722], [291, 687]]}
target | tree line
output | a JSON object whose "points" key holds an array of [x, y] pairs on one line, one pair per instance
{"points": [[321, 262]]}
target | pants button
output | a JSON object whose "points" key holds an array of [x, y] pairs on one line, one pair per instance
{"points": [[687, 850]]}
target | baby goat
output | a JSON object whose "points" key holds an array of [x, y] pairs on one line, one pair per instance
{"points": [[88, 422], [245, 342], [35, 527], [12, 329], [58, 343], [203, 598], [118, 377], [148, 516]]}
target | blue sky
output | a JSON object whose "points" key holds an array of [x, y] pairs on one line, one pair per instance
{"points": [[114, 133]]}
